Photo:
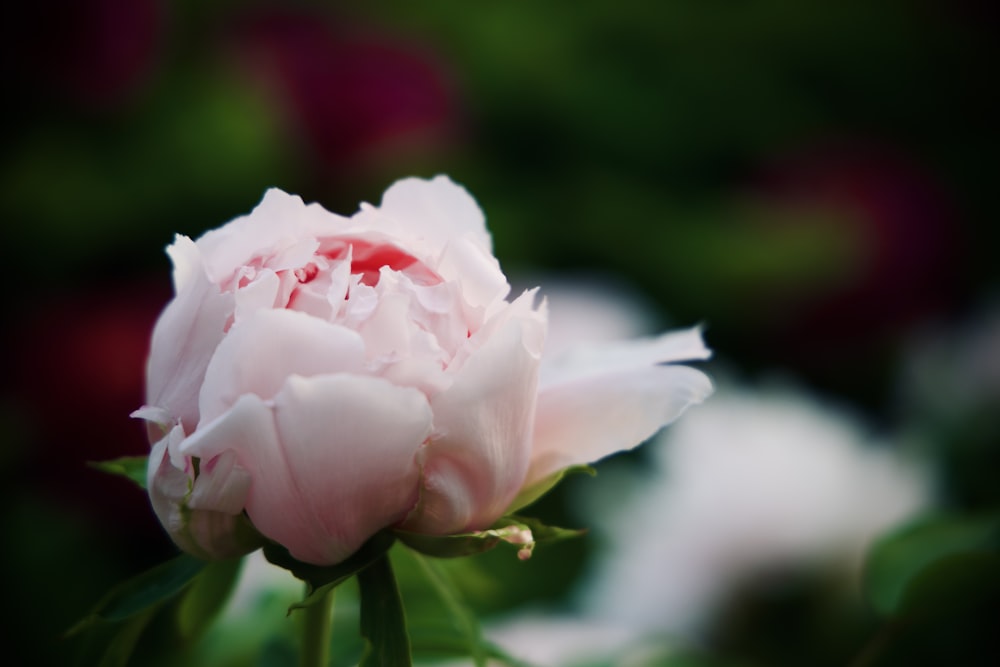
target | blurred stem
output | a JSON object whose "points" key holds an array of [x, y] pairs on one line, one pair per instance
{"points": [[316, 632]]}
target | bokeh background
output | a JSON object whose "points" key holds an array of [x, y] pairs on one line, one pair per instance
{"points": [[814, 182]]}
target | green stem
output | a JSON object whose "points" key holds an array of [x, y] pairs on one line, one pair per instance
{"points": [[316, 632]]}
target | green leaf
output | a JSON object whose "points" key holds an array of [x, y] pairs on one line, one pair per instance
{"points": [[953, 583], [143, 591], [120, 648], [132, 467], [899, 558], [206, 596], [383, 621], [466, 621], [539, 489], [323, 578]]}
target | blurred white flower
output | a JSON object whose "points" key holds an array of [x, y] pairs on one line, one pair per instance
{"points": [[747, 483], [950, 371]]}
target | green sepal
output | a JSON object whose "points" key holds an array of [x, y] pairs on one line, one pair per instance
{"points": [[538, 489], [900, 559], [143, 591], [541, 531], [205, 598], [323, 578], [132, 467], [449, 546], [510, 529], [383, 620]]}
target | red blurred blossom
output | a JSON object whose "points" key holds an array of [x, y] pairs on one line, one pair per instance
{"points": [[908, 266], [78, 374], [348, 92]]}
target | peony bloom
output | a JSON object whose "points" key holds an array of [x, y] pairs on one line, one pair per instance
{"points": [[318, 378]]}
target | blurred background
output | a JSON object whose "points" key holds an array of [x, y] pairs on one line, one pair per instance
{"points": [[814, 182]]}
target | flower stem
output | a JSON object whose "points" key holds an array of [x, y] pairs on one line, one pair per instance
{"points": [[316, 632]]}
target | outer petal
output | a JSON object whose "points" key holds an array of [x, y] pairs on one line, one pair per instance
{"points": [[614, 402], [583, 361], [434, 211], [203, 516], [475, 464], [185, 337], [332, 460], [258, 355], [281, 228], [351, 444]]}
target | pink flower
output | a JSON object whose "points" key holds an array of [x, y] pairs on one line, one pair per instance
{"points": [[327, 377]]}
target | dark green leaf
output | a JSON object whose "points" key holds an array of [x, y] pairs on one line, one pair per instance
{"points": [[206, 597], [144, 591], [323, 578], [383, 621], [895, 561], [952, 583], [120, 648], [539, 489], [132, 467]]}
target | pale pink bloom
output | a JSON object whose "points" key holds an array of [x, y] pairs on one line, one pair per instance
{"points": [[331, 376]]}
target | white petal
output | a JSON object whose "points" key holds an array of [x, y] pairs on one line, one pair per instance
{"points": [[590, 417], [476, 462], [261, 352]]}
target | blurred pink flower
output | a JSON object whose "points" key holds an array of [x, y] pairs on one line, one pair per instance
{"points": [[347, 92]]}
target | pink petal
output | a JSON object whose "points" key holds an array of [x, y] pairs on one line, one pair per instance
{"points": [[592, 415], [587, 360], [430, 212], [248, 430], [332, 460], [476, 462], [203, 519], [185, 337], [351, 444], [278, 229], [258, 354]]}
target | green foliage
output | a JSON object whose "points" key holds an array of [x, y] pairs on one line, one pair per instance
{"points": [[322, 579], [143, 591], [383, 621], [191, 590], [206, 596], [900, 560], [938, 582]]}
